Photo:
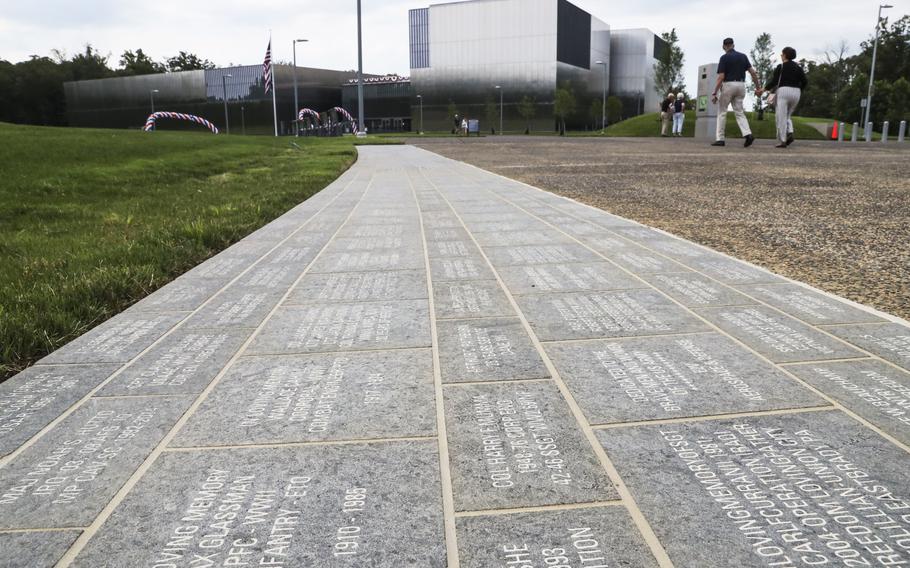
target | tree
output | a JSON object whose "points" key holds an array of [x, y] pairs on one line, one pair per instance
{"points": [[527, 109], [89, 64], [762, 60], [893, 59], [564, 105], [37, 92], [899, 101], [847, 108], [836, 60], [7, 90], [184, 61], [614, 109], [139, 63], [491, 113], [668, 71]]}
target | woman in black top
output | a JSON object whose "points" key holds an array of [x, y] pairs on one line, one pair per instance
{"points": [[787, 84]]}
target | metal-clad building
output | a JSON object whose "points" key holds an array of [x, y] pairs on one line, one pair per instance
{"points": [[386, 103], [633, 54], [126, 102], [460, 51]]}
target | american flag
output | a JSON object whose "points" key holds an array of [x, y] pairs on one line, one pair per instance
{"points": [[267, 67]]}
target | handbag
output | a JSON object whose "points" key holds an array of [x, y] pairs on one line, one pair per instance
{"points": [[772, 98]]}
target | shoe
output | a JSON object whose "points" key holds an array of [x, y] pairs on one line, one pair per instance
{"points": [[790, 138], [749, 140], [781, 146], [719, 143]]}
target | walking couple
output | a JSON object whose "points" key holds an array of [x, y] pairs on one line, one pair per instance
{"points": [[786, 84]]}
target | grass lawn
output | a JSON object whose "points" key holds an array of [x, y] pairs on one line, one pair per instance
{"points": [[649, 125], [93, 220]]}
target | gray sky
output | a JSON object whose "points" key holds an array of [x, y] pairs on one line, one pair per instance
{"points": [[236, 31]]}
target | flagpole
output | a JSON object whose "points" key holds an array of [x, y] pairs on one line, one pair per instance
{"points": [[274, 89]]}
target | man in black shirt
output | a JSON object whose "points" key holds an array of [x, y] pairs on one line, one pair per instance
{"points": [[731, 89]]}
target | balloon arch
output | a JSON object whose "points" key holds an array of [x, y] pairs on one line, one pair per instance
{"points": [[320, 124], [308, 112], [150, 122]]}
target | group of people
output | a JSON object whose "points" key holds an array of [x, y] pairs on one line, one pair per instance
{"points": [[784, 86], [673, 109]]}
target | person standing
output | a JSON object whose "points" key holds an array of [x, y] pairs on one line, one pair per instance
{"points": [[666, 111], [730, 89], [787, 84], [679, 114]]}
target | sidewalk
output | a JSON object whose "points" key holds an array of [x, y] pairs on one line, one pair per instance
{"points": [[430, 365]]}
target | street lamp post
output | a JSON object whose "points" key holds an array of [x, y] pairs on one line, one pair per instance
{"points": [[242, 120], [227, 122], [872, 71], [603, 110], [359, 73], [499, 88], [296, 104], [420, 100], [152, 95]]}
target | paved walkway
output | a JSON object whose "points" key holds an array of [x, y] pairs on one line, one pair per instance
{"points": [[428, 365]]}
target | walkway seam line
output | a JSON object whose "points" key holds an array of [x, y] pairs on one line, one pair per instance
{"points": [[445, 472]]}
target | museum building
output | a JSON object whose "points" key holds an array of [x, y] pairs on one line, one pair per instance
{"points": [[126, 102], [472, 59], [467, 57]]}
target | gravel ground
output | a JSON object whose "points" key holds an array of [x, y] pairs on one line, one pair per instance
{"points": [[834, 216]]}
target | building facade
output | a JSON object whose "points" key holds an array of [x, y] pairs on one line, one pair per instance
{"points": [[633, 54], [126, 102], [491, 60], [386, 103], [461, 51]]}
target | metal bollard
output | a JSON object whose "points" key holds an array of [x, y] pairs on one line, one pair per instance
{"points": [[885, 128], [855, 132], [902, 131], [840, 132], [868, 132]]}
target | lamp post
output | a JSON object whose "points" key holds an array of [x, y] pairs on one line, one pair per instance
{"points": [[152, 95], [296, 104], [242, 121], [420, 101], [603, 110], [359, 73], [499, 88], [227, 122], [872, 71]]}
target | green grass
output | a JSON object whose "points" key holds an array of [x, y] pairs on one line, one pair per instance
{"points": [[649, 125], [93, 220]]}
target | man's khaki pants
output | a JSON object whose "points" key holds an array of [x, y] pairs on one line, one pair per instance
{"points": [[664, 123], [732, 93]]}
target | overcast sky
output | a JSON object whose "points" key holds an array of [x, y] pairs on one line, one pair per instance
{"points": [[236, 31]]}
